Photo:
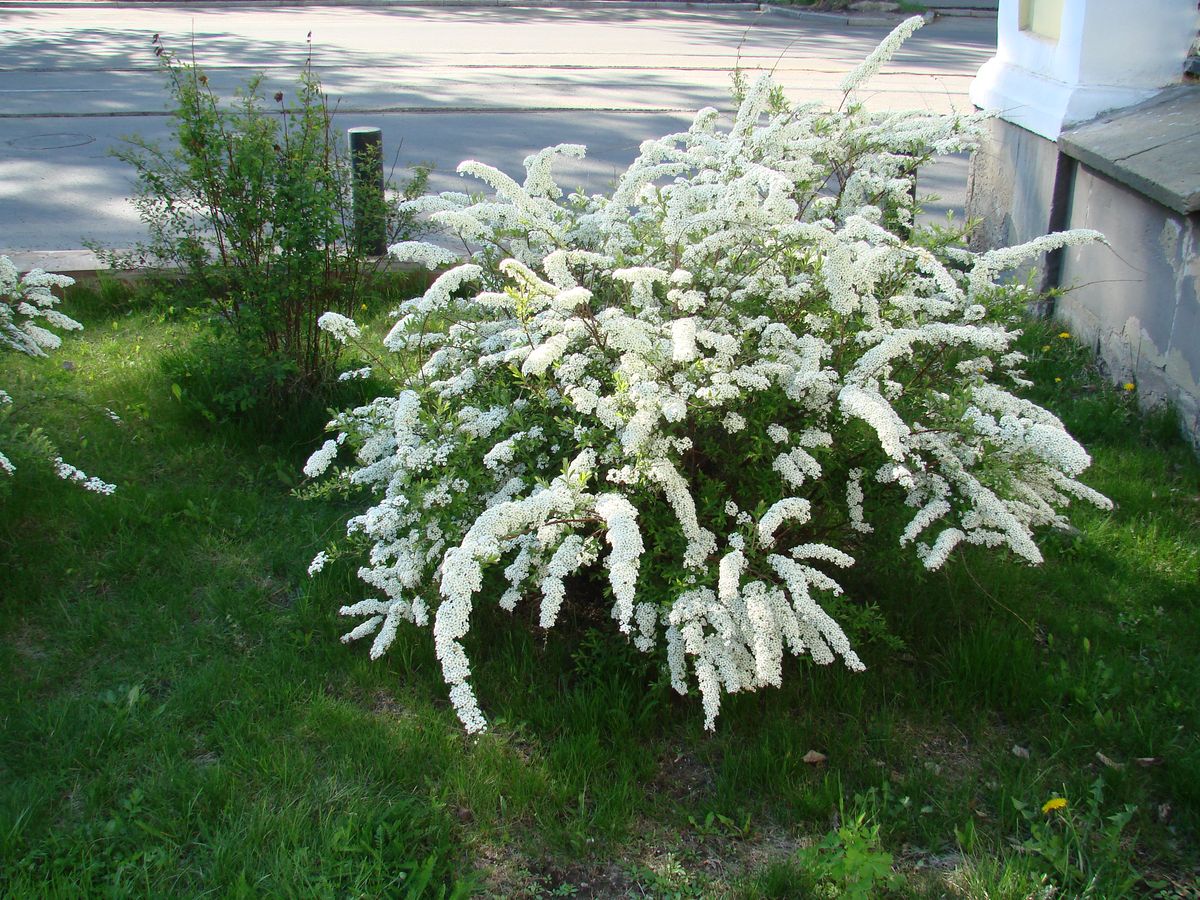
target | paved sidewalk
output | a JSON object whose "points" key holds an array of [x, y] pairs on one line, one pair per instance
{"points": [[444, 83]]}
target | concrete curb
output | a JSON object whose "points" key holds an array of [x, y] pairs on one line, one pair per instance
{"points": [[85, 267], [836, 18], [980, 5], [955, 12], [82, 265]]}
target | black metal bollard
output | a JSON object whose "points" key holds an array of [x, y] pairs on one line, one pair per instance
{"points": [[370, 210]]}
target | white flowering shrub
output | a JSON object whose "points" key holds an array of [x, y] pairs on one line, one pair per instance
{"points": [[27, 313], [699, 387]]}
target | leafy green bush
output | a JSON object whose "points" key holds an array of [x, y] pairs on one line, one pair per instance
{"points": [[253, 205]]}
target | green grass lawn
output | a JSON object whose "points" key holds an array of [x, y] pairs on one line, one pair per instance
{"points": [[179, 718]]}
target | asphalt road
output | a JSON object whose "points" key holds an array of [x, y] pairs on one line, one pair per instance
{"points": [[444, 83]]}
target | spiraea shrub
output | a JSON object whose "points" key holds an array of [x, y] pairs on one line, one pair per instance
{"points": [[702, 387], [28, 317]]}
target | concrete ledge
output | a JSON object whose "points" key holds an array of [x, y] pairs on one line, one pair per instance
{"points": [[84, 266], [79, 264], [1153, 147], [961, 12]]}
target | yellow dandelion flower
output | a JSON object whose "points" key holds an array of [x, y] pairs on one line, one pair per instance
{"points": [[1052, 804], [1128, 385], [1064, 334], [1056, 380]]}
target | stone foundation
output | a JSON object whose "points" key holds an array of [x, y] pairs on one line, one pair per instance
{"points": [[1136, 300]]}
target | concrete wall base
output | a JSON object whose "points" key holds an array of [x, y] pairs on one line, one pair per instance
{"points": [[1135, 301]]}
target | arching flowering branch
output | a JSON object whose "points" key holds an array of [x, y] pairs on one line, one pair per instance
{"points": [[27, 313]]}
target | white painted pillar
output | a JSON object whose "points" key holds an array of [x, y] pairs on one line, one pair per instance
{"points": [[1062, 62]]}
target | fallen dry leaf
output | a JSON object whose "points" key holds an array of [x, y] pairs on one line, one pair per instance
{"points": [[1111, 763]]}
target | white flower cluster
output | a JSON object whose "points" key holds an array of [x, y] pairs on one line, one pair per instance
{"points": [[68, 472], [23, 301], [602, 372], [27, 306], [340, 327]]}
